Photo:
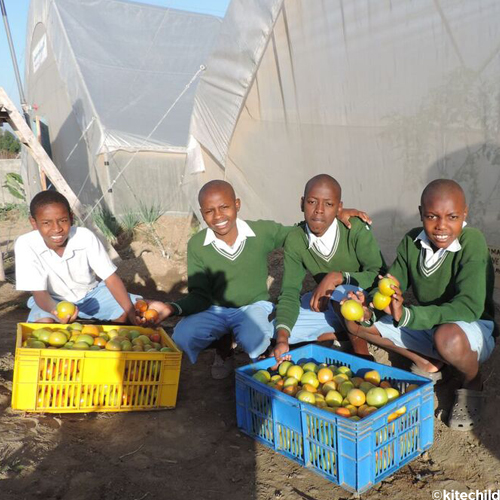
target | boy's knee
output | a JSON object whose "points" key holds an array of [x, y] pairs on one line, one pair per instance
{"points": [[451, 342]]}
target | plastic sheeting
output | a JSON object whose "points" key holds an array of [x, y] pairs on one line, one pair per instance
{"points": [[384, 96], [110, 76]]}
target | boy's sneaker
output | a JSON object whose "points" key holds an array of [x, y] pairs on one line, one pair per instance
{"points": [[222, 368]]}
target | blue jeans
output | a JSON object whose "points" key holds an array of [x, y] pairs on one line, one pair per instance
{"points": [[249, 324], [98, 304]]}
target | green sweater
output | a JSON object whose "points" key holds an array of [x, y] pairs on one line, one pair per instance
{"points": [[230, 281], [459, 287], [355, 253]]}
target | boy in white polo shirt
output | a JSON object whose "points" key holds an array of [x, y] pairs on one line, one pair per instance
{"points": [[58, 262]]}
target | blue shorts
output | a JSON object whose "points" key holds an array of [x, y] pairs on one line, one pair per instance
{"points": [[479, 334], [310, 324], [97, 304]]}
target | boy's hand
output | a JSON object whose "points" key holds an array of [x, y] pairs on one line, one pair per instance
{"points": [[67, 319], [344, 214], [164, 310], [323, 292], [133, 318], [279, 352]]}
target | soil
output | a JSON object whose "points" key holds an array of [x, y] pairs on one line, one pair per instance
{"points": [[196, 450]]}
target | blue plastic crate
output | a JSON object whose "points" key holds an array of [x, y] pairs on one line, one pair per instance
{"points": [[354, 455]]}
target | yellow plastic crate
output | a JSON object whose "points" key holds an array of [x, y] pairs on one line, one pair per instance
{"points": [[67, 381]]}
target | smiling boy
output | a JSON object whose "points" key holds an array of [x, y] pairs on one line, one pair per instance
{"points": [[449, 269], [57, 261], [334, 256]]}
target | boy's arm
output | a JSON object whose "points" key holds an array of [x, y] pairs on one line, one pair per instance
{"points": [[467, 304], [287, 310], [44, 300], [199, 296], [280, 234], [119, 292]]}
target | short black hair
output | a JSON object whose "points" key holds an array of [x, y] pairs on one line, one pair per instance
{"points": [[324, 179], [442, 188], [48, 197]]}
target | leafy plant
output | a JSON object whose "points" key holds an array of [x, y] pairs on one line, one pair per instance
{"points": [[9, 143], [107, 223], [150, 214], [129, 221], [14, 185]]}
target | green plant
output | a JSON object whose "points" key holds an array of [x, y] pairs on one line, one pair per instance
{"points": [[150, 214], [9, 142], [129, 221], [107, 223], [14, 185]]}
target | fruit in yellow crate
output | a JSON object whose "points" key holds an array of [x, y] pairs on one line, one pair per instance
{"points": [[328, 386], [88, 339], [306, 397], [325, 375], [133, 334], [35, 344], [47, 370], [57, 339], [377, 397], [384, 286], [68, 345], [126, 345], [166, 349], [310, 378], [75, 326], [261, 376], [112, 334], [373, 376], [149, 347], [380, 301], [92, 330], [392, 394], [44, 335], [113, 345], [343, 412], [145, 339], [291, 390], [81, 346], [137, 341], [155, 338], [74, 336], [100, 341], [156, 345], [333, 398], [352, 310], [95, 348], [295, 371], [65, 309], [356, 397], [283, 368], [141, 306], [345, 388], [151, 315]]}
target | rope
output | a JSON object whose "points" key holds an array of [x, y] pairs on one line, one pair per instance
{"points": [[200, 70]]}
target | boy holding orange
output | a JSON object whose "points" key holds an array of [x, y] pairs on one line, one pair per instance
{"points": [[449, 269], [58, 262]]}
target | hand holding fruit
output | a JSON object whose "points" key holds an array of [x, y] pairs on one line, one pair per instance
{"points": [[66, 312], [323, 292], [354, 308], [153, 311], [389, 298]]}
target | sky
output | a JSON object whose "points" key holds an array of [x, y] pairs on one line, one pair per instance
{"points": [[17, 14]]}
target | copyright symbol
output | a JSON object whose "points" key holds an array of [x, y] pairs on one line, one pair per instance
{"points": [[437, 494]]}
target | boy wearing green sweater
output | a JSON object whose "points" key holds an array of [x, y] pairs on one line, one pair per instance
{"points": [[334, 256], [449, 269], [227, 280]]}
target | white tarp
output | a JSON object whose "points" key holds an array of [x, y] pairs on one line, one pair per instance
{"points": [[384, 96]]}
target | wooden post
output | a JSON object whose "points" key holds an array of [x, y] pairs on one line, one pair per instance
{"points": [[43, 177]]}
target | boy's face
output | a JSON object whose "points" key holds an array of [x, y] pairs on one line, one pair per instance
{"points": [[219, 210], [443, 218], [320, 206], [53, 222]]}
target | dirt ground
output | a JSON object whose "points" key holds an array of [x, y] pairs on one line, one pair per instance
{"points": [[196, 450]]}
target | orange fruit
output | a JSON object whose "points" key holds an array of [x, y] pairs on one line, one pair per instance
{"points": [[373, 376], [356, 397], [151, 315], [291, 390], [141, 306], [100, 341], [343, 412], [90, 330], [385, 384], [325, 375]]}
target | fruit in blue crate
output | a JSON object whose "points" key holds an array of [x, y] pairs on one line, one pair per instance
{"points": [[262, 376], [295, 371], [309, 378], [373, 376], [377, 397], [392, 394], [310, 367], [352, 310]]}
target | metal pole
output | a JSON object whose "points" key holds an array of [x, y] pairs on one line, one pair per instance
{"points": [[14, 60]]}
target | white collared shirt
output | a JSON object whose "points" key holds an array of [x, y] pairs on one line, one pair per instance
{"points": [[68, 277], [323, 244], [244, 232], [431, 256]]}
